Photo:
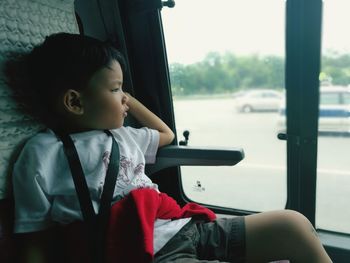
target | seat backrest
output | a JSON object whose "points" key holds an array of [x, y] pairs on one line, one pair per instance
{"points": [[23, 24]]}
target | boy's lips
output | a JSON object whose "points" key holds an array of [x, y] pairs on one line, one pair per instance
{"points": [[126, 111]]}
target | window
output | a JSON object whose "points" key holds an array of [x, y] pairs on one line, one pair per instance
{"points": [[330, 98], [218, 52], [346, 98], [333, 176]]}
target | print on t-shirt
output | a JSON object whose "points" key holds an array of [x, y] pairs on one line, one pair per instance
{"points": [[131, 175]]}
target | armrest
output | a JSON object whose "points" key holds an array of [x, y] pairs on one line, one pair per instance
{"points": [[174, 155]]}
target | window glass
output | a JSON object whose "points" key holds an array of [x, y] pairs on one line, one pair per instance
{"points": [[219, 52], [330, 98], [271, 95], [333, 175], [346, 98]]}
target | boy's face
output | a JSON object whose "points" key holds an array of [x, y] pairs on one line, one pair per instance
{"points": [[104, 102]]}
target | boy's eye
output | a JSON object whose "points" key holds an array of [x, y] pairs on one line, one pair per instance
{"points": [[116, 90]]}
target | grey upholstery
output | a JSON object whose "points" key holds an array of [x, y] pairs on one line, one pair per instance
{"points": [[23, 24]]}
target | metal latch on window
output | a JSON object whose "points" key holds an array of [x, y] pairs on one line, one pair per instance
{"points": [[186, 134], [169, 3], [297, 140]]}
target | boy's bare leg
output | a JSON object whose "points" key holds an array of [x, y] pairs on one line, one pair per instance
{"points": [[284, 234]]}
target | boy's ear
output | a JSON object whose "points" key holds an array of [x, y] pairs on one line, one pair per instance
{"points": [[72, 102]]}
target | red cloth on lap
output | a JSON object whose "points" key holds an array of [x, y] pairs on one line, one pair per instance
{"points": [[131, 224]]}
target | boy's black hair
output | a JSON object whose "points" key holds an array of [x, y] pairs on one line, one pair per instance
{"points": [[63, 61]]}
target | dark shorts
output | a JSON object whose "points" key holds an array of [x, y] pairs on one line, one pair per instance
{"points": [[222, 240]]}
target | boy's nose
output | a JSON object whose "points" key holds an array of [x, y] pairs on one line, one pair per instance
{"points": [[125, 98]]}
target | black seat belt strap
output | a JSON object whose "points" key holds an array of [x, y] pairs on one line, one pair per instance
{"points": [[97, 225], [111, 177], [106, 198], [78, 178]]}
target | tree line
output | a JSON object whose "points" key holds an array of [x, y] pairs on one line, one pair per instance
{"points": [[227, 73]]}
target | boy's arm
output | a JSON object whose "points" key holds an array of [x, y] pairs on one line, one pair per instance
{"points": [[150, 120]]}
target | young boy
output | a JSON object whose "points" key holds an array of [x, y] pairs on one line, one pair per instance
{"points": [[74, 83]]}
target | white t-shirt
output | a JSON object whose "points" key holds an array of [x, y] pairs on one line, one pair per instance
{"points": [[43, 185]]}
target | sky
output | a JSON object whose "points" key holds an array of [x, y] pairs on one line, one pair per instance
{"points": [[195, 27]]}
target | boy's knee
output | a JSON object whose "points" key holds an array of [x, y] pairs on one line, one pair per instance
{"points": [[282, 223], [295, 222], [296, 217]]}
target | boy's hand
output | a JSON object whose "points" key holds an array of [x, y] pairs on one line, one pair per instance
{"points": [[150, 120]]}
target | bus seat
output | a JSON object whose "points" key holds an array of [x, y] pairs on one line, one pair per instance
{"points": [[23, 24]]}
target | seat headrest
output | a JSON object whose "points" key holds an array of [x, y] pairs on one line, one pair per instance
{"points": [[24, 24]]}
